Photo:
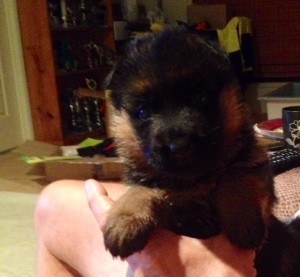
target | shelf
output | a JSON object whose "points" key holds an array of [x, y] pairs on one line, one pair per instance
{"points": [[75, 137], [64, 72], [85, 92], [79, 28], [53, 46]]}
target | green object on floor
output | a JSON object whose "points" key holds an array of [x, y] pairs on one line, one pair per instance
{"points": [[43, 159], [90, 142]]}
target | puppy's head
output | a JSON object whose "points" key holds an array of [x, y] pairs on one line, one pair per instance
{"points": [[177, 106]]}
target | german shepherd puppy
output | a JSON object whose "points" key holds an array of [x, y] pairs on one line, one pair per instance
{"points": [[191, 158]]}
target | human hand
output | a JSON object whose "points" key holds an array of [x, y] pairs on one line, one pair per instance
{"points": [[168, 254]]}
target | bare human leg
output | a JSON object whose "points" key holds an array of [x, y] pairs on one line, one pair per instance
{"points": [[69, 240]]}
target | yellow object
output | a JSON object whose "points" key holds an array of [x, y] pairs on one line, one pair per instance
{"points": [[157, 27], [230, 36]]}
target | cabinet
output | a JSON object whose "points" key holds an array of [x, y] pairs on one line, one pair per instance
{"points": [[59, 60]]}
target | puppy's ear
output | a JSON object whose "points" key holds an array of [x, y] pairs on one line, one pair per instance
{"points": [[108, 78], [114, 97]]}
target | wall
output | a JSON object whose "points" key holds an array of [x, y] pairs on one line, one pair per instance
{"points": [[254, 91], [149, 4], [17, 100], [22, 98], [173, 9], [276, 34], [176, 10]]}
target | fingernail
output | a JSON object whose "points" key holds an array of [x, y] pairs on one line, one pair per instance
{"points": [[90, 187], [93, 188]]}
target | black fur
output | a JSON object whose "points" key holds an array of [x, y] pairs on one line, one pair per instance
{"points": [[190, 154], [280, 253]]}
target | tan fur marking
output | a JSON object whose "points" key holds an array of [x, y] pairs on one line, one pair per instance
{"points": [[141, 85], [230, 103], [128, 143], [234, 114]]}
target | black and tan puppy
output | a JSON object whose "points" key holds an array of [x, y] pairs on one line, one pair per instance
{"points": [[191, 158], [189, 150]]}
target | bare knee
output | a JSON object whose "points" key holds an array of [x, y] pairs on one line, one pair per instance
{"points": [[49, 203], [69, 234], [55, 203], [46, 204], [54, 221]]}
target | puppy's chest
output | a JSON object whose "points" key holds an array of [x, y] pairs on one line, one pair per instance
{"points": [[192, 213], [196, 218], [189, 206]]}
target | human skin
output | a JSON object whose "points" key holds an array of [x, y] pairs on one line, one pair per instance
{"points": [[69, 216], [168, 254]]}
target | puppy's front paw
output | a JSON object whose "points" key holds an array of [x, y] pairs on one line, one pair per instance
{"points": [[125, 234]]}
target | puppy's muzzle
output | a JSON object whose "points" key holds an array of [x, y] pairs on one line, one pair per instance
{"points": [[174, 141], [174, 147]]}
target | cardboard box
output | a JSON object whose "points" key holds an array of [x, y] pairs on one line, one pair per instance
{"points": [[100, 168], [216, 15]]}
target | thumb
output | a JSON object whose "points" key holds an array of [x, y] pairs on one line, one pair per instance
{"points": [[98, 200]]}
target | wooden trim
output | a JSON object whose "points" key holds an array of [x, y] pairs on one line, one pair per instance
{"points": [[38, 54]]}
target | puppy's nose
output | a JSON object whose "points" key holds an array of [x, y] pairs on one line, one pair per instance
{"points": [[171, 147], [174, 141]]}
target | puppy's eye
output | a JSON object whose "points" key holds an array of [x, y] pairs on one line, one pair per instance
{"points": [[143, 113], [203, 99]]}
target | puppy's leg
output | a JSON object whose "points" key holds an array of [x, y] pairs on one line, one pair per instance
{"points": [[132, 220], [244, 208]]}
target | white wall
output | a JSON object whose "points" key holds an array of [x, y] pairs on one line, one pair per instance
{"points": [[149, 4], [255, 90], [173, 9], [176, 10], [19, 96], [22, 96]]}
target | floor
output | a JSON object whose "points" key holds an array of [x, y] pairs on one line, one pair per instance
{"points": [[17, 176], [20, 184]]}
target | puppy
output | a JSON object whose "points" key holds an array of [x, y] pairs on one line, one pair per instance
{"points": [[190, 155]]}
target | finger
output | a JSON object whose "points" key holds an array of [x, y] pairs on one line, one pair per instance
{"points": [[98, 200], [95, 187]]}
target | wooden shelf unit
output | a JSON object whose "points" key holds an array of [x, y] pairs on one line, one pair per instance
{"points": [[49, 85]]}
